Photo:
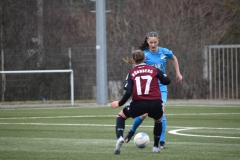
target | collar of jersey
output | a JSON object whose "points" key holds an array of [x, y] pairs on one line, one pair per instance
{"points": [[141, 64]]}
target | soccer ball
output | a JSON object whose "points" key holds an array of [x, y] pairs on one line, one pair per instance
{"points": [[141, 140]]}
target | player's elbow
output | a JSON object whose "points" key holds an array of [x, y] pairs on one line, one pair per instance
{"points": [[166, 81]]}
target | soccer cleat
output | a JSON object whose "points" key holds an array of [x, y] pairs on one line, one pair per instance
{"points": [[155, 149], [128, 137], [119, 143], [162, 145]]}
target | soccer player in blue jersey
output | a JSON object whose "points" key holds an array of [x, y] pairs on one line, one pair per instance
{"points": [[156, 56]]}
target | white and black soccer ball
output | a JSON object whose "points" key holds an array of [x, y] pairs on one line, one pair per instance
{"points": [[141, 140]]}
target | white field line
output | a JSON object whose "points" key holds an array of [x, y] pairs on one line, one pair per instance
{"points": [[113, 125], [56, 117], [95, 116], [201, 114], [176, 132], [62, 124], [41, 107]]}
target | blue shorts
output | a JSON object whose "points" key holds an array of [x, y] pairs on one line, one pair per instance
{"points": [[164, 96]]}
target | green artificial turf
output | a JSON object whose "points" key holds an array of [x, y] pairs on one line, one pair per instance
{"points": [[194, 132]]}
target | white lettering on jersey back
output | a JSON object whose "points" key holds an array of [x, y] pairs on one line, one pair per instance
{"points": [[142, 71]]}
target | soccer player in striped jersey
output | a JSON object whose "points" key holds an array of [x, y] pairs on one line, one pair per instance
{"points": [[156, 56], [142, 84]]}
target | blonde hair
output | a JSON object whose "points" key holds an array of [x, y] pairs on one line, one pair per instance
{"points": [[137, 55]]}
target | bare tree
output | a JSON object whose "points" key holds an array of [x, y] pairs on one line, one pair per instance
{"points": [[185, 27], [52, 27]]}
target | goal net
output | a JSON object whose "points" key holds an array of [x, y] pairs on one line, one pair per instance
{"points": [[38, 86]]}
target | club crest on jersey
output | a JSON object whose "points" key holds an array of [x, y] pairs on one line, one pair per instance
{"points": [[162, 56]]}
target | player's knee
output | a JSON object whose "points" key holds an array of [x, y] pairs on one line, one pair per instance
{"points": [[158, 120], [144, 116], [122, 115]]}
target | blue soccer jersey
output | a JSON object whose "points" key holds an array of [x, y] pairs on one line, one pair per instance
{"points": [[158, 59]]}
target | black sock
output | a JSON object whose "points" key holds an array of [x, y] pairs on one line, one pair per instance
{"points": [[157, 133], [120, 125]]}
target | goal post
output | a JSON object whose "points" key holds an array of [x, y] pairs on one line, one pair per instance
{"points": [[49, 71]]}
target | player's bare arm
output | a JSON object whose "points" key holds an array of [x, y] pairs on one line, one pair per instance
{"points": [[176, 66]]}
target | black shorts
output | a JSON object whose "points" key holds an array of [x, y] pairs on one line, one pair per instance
{"points": [[138, 108]]}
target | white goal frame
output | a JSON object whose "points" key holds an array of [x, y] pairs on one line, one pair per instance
{"points": [[49, 71]]}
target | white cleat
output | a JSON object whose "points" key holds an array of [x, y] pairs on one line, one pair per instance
{"points": [[119, 143], [155, 150]]}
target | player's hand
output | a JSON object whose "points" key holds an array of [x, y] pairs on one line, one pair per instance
{"points": [[179, 78], [114, 104]]}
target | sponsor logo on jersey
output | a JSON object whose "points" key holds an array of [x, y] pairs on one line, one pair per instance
{"points": [[158, 65]]}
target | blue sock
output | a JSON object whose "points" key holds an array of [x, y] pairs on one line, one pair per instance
{"points": [[164, 126], [136, 123]]}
